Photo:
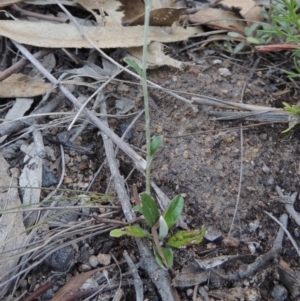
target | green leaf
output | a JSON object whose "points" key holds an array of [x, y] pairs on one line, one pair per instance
{"points": [[138, 208], [155, 144], [239, 47], [234, 34], [134, 66], [137, 231], [252, 40], [174, 210], [149, 209], [163, 228], [186, 238], [117, 233], [134, 231], [250, 30], [168, 257]]}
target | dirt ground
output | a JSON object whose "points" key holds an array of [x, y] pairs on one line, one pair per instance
{"points": [[201, 159]]}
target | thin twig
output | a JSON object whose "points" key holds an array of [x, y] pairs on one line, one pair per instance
{"points": [[240, 182], [289, 206], [285, 230], [138, 283]]}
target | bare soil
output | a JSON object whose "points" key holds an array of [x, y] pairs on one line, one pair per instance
{"points": [[217, 166]]}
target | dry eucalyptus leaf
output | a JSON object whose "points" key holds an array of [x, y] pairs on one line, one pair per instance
{"points": [[50, 35], [155, 56], [121, 11], [218, 18], [12, 235], [159, 17], [247, 8], [31, 181], [20, 107], [21, 85]]}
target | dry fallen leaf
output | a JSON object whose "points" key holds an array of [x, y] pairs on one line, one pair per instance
{"points": [[247, 8], [21, 85], [155, 56], [74, 285], [218, 18], [12, 235], [50, 35], [159, 17], [31, 179]]}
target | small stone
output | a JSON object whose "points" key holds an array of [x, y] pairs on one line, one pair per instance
{"points": [[85, 267], [104, 259], [186, 154], [164, 167], [271, 181], [48, 294], [189, 292], [224, 72], [68, 180], [159, 128], [93, 261], [217, 62], [266, 169], [279, 293], [23, 283], [231, 242], [129, 134], [61, 259]]}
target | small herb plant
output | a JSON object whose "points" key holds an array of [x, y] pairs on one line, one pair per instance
{"points": [[160, 224]]}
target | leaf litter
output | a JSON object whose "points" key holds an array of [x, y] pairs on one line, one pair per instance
{"points": [[199, 159]]}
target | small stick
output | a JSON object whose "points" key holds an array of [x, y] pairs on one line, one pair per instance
{"points": [[138, 283], [21, 63]]}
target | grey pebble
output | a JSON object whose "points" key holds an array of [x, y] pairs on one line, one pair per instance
{"points": [[61, 259], [279, 293]]}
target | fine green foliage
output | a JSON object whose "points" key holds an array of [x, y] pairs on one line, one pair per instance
{"points": [[294, 110], [284, 17]]}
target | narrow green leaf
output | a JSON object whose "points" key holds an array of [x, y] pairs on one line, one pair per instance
{"points": [[239, 47], [117, 233], [186, 238], [250, 30], [252, 40], [174, 210], [155, 144], [134, 66], [233, 34], [163, 228], [137, 231], [149, 209], [168, 257]]}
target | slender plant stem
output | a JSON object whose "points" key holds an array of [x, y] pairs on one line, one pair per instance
{"points": [[145, 92]]}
